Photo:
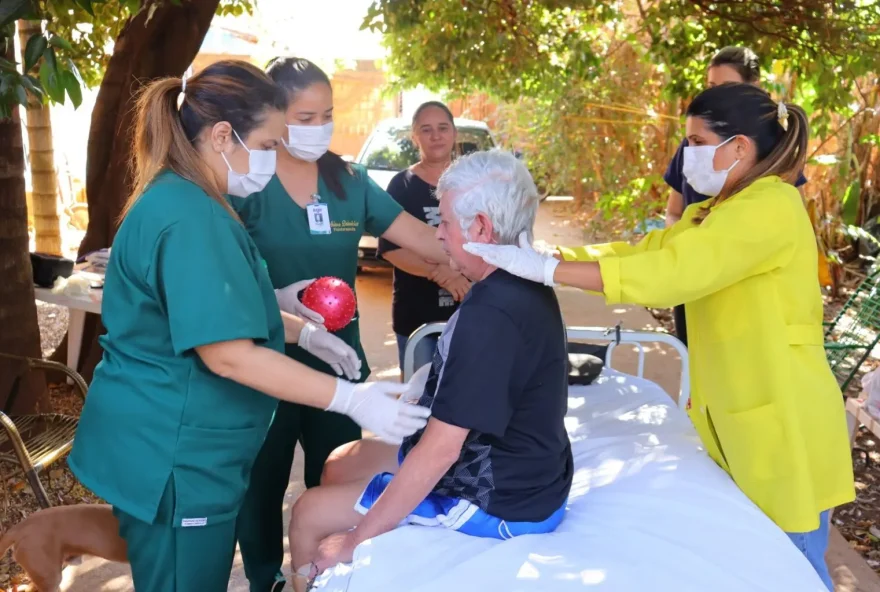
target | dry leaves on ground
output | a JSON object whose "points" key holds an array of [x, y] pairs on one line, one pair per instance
{"points": [[17, 501]]}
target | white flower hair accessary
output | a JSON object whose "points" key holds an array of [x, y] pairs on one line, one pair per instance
{"points": [[782, 115], [182, 94]]}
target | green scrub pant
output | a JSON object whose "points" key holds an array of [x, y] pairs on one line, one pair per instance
{"points": [[168, 559], [260, 527]]}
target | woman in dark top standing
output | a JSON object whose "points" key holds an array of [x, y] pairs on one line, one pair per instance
{"points": [[424, 292], [731, 64]]}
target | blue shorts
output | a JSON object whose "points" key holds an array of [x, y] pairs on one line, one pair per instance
{"points": [[458, 514]]}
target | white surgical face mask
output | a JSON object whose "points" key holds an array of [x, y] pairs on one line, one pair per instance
{"points": [[309, 142], [261, 167], [699, 169]]}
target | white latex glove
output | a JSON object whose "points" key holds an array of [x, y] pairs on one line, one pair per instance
{"points": [[523, 261], [415, 387], [374, 406], [288, 301], [330, 349], [544, 248]]}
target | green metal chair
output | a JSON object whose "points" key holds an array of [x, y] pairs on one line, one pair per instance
{"points": [[34, 442], [852, 335]]}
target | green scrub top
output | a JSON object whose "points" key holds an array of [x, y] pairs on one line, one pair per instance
{"points": [[280, 229], [183, 272]]}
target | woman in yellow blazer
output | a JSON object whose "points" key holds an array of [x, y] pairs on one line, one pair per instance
{"points": [[765, 402]]}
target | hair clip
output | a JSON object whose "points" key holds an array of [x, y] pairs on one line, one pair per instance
{"points": [[782, 115], [182, 96]]}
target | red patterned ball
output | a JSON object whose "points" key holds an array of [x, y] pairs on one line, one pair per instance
{"points": [[333, 299]]}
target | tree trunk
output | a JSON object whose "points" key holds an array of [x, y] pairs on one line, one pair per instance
{"points": [[19, 330], [161, 40], [44, 182]]}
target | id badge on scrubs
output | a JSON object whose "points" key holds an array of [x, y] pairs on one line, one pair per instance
{"points": [[319, 218]]}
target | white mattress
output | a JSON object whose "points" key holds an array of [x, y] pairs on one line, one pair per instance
{"points": [[649, 511]]}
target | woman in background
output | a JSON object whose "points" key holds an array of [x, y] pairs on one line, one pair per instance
{"points": [[424, 292]]}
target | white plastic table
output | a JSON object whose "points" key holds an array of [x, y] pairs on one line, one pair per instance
{"points": [[78, 307]]}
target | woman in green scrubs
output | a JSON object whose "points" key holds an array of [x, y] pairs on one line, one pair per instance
{"points": [[193, 366], [307, 223]]}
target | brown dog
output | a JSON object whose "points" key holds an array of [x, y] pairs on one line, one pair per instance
{"points": [[46, 540]]}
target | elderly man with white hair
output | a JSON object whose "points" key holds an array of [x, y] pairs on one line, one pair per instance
{"points": [[494, 459]]}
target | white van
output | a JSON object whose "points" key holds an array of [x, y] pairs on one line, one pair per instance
{"points": [[390, 149]]}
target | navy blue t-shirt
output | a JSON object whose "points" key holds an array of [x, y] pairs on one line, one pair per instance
{"points": [[500, 371], [675, 178], [415, 301]]}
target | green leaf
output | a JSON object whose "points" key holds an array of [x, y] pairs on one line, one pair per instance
{"points": [[12, 10], [52, 83], [33, 85], [71, 84], [60, 43], [850, 204], [72, 67], [21, 95], [7, 65], [86, 5], [51, 59], [34, 48]]}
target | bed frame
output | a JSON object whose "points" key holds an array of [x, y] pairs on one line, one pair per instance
{"points": [[615, 336]]}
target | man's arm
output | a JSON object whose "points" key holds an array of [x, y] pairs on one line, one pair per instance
{"points": [[438, 449], [474, 393]]}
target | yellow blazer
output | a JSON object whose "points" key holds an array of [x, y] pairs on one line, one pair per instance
{"points": [[764, 400]]}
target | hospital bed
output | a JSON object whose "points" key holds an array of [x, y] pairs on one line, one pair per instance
{"points": [[648, 511]]}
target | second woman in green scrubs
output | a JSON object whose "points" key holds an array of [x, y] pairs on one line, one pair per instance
{"points": [[178, 408], [298, 248]]}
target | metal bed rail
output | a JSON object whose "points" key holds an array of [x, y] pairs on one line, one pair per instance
{"points": [[615, 335]]}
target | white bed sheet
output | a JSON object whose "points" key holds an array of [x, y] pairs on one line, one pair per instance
{"points": [[648, 511]]}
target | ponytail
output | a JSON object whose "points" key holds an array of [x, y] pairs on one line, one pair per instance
{"points": [[741, 59], [788, 157], [331, 167], [160, 142], [780, 132], [166, 136]]}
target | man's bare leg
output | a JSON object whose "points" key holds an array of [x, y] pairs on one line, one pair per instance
{"points": [[318, 513], [359, 460]]}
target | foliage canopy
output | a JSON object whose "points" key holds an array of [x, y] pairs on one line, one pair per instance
{"points": [[593, 91], [513, 48], [73, 51]]}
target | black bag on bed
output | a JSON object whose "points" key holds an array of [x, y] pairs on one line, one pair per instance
{"points": [[585, 362]]}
